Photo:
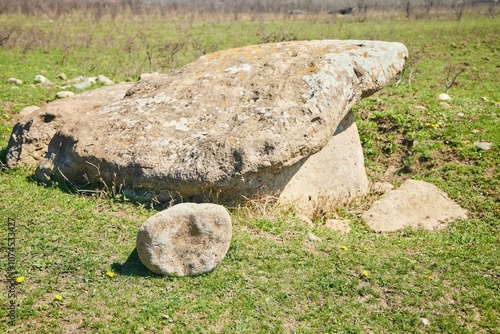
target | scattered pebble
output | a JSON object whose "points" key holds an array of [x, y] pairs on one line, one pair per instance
{"points": [[476, 131], [41, 79], [460, 114], [444, 97], [425, 321], [63, 94], [483, 145], [147, 75], [484, 98], [104, 80], [75, 80], [15, 81], [84, 84], [62, 76]]}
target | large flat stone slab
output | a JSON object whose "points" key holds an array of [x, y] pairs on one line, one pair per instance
{"points": [[240, 121]]}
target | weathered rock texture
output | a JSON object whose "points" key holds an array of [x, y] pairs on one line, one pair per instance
{"points": [[242, 121], [186, 239], [331, 176], [414, 204]]}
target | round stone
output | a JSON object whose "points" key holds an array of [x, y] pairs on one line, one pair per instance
{"points": [[186, 239]]}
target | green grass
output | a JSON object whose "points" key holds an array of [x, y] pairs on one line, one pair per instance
{"points": [[273, 279]]}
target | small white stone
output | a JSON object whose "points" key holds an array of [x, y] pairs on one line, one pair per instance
{"points": [[82, 85], [444, 97], [41, 79], [105, 80], [425, 322], [484, 145], [15, 81], [63, 94], [312, 237]]}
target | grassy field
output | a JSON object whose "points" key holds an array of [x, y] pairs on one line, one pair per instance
{"points": [[76, 254]]}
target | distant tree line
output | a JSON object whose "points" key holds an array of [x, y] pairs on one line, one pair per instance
{"points": [[99, 8]]}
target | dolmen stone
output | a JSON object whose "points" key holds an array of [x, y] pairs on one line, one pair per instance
{"points": [[272, 119], [185, 239], [416, 204]]}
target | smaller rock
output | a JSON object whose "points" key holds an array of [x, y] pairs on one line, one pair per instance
{"points": [[475, 131], [483, 145], [445, 105], [104, 80], [148, 75], [28, 110], [15, 81], [92, 80], [415, 204], [485, 99], [185, 239], [338, 225], [425, 322], [75, 80], [41, 79], [461, 114], [62, 76], [84, 84], [381, 188], [444, 97], [312, 237], [63, 94]]}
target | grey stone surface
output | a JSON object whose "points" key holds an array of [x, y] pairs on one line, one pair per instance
{"points": [[28, 110], [104, 80], [415, 204], [242, 121], [484, 145], [332, 176], [41, 79], [186, 239]]}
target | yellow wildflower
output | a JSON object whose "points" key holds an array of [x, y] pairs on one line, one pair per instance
{"points": [[343, 247], [20, 279], [110, 273], [58, 297], [365, 273]]}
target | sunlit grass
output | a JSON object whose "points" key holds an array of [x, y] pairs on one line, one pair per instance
{"points": [[77, 270]]}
